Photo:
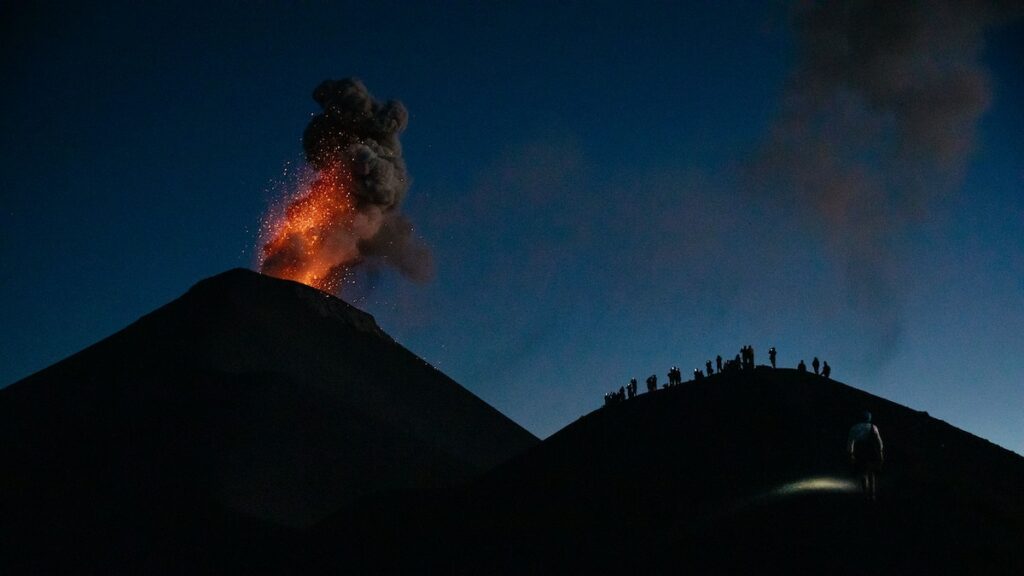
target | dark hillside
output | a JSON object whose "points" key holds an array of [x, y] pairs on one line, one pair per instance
{"points": [[254, 404], [734, 474]]}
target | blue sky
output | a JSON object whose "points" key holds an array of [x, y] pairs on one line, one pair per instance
{"points": [[581, 173]]}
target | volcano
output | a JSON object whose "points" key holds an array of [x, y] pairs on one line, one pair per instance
{"points": [[229, 419], [257, 425]]}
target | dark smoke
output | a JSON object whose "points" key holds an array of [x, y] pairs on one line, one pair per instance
{"points": [[360, 136], [357, 129], [876, 128], [397, 246]]}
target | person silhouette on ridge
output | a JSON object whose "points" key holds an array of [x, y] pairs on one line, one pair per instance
{"points": [[771, 355], [718, 363], [816, 365], [826, 370], [801, 367], [707, 365], [864, 444]]}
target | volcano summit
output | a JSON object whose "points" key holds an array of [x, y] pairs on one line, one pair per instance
{"points": [[250, 403]]}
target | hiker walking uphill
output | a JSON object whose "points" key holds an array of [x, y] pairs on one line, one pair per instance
{"points": [[864, 444]]}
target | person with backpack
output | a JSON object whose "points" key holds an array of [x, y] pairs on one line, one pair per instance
{"points": [[864, 444]]}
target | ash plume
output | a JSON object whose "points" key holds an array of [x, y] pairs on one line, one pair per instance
{"points": [[875, 130], [350, 212], [355, 128]]}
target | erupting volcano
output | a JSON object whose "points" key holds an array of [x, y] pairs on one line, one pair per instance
{"points": [[347, 211]]}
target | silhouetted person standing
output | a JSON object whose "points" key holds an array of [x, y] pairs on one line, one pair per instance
{"points": [[801, 367], [652, 382], [826, 370], [707, 365], [864, 444], [697, 374], [718, 363], [771, 355], [816, 365]]}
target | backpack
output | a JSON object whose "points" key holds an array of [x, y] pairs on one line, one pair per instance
{"points": [[869, 447]]}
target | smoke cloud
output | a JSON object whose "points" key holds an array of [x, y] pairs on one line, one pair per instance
{"points": [[876, 127], [349, 213]]}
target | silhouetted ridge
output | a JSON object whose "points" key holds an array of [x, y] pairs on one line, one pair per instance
{"points": [[242, 282], [735, 473], [251, 403]]}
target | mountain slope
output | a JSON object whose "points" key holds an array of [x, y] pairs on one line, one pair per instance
{"points": [[248, 400], [731, 474]]}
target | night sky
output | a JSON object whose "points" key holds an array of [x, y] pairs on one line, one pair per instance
{"points": [[607, 189]]}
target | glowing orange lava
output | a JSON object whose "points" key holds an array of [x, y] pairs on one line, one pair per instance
{"points": [[314, 238]]}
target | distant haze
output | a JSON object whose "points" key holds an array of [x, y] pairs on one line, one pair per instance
{"points": [[875, 127]]}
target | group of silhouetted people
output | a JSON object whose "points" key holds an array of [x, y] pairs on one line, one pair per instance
{"points": [[819, 369], [627, 391], [675, 377], [742, 362], [864, 442]]}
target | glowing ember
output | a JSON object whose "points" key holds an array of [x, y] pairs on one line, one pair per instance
{"points": [[346, 209], [314, 240]]}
